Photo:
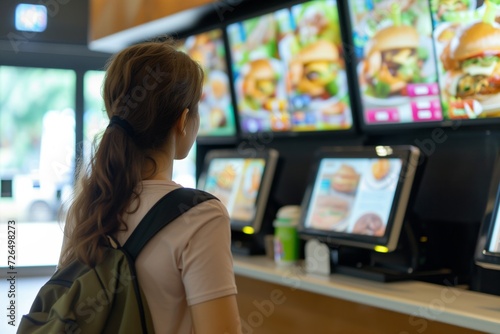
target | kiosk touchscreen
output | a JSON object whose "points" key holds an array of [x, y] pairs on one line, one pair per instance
{"points": [[356, 204], [488, 246], [358, 196], [241, 183]]}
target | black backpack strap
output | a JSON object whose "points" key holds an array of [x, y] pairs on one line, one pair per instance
{"points": [[167, 209]]}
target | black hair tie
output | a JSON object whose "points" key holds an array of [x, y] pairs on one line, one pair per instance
{"points": [[122, 124]]}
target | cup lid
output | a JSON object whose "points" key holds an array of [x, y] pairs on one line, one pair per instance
{"points": [[288, 215]]}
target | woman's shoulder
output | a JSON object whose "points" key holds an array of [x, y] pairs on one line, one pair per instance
{"points": [[208, 218], [211, 208], [200, 207]]}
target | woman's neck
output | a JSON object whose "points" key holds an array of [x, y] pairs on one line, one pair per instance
{"points": [[158, 166]]}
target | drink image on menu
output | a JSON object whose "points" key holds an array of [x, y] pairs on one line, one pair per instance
{"points": [[469, 67], [311, 47], [397, 65], [258, 75], [215, 107]]}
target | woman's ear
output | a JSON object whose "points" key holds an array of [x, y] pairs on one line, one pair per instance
{"points": [[182, 122]]}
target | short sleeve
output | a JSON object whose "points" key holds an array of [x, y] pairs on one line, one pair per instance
{"points": [[206, 262]]}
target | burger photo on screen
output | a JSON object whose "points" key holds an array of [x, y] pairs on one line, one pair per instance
{"points": [[345, 179], [259, 83], [330, 213], [393, 59], [472, 65], [314, 70]]}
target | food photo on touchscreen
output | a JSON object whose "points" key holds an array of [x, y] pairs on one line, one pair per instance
{"points": [[11, 276]]}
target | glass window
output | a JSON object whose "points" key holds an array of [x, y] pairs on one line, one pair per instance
{"points": [[37, 154], [184, 171], [96, 120]]}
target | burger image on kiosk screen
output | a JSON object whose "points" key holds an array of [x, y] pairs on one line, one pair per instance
{"points": [[392, 61], [473, 64], [345, 180]]}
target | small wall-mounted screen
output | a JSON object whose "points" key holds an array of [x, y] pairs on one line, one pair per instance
{"points": [[31, 17]]}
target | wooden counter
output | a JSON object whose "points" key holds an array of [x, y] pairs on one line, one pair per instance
{"points": [[289, 300]]}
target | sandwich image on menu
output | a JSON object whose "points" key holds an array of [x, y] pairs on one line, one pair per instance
{"points": [[469, 54], [397, 65], [334, 197]]}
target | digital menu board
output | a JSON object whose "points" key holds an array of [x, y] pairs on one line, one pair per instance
{"points": [[215, 108], [467, 40], [395, 61], [289, 70]]}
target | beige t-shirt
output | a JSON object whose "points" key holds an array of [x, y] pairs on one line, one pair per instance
{"points": [[186, 263]]}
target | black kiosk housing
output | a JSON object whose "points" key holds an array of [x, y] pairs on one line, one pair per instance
{"points": [[243, 180], [375, 237]]}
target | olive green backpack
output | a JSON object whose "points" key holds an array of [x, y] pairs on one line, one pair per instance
{"points": [[107, 298]]}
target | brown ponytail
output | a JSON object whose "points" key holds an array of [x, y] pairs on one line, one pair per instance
{"points": [[148, 85]]}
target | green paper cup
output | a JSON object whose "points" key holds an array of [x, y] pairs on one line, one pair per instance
{"points": [[286, 238]]}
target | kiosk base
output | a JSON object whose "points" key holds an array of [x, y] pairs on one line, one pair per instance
{"points": [[246, 248], [247, 244], [366, 264]]}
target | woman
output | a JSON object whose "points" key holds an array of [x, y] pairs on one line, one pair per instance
{"points": [[151, 93]]}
